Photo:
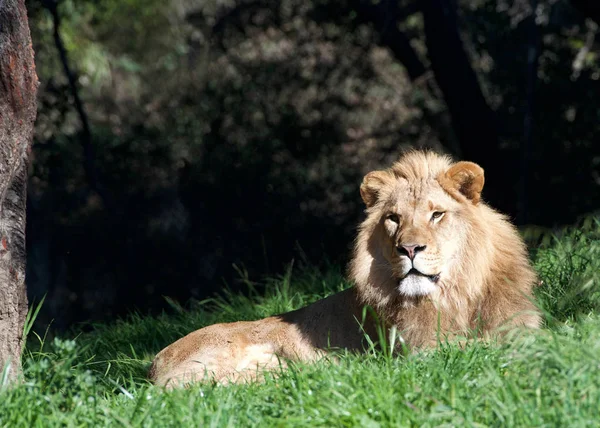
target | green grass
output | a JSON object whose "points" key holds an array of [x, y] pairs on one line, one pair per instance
{"points": [[546, 378]]}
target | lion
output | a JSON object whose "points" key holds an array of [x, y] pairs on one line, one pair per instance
{"points": [[431, 259]]}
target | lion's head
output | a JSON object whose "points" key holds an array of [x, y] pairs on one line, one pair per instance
{"points": [[429, 242]]}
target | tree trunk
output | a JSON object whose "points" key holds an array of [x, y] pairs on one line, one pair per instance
{"points": [[473, 120], [18, 88]]}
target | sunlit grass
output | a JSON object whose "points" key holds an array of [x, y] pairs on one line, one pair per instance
{"points": [[550, 377]]}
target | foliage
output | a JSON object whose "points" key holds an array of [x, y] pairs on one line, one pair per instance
{"points": [[569, 273], [236, 132], [502, 40], [542, 378]]}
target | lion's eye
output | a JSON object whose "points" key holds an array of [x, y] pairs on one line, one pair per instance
{"points": [[437, 215], [393, 218]]}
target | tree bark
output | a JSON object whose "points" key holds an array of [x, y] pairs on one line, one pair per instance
{"points": [[18, 89]]}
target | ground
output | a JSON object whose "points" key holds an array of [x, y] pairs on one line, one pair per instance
{"points": [[549, 377]]}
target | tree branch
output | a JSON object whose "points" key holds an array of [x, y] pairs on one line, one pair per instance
{"points": [[86, 134]]}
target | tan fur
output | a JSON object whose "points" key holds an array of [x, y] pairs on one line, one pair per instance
{"points": [[469, 272]]}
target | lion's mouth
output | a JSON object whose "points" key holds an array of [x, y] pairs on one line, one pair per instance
{"points": [[433, 278]]}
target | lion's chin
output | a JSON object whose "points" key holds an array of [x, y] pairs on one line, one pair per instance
{"points": [[413, 285]]}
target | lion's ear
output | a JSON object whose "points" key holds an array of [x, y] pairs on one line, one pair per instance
{"points": [[464, 178], [371, 186]]}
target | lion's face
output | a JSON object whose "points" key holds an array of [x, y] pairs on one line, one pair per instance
{"points": [[420, 234], [420, 223]]}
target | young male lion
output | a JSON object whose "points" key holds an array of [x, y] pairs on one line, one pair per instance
{"points": [[431, 258]]}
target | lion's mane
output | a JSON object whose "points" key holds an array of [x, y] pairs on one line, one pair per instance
{"points": [[489, 285]]}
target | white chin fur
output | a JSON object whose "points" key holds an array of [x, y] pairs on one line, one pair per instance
{"points": [[416, 285]]}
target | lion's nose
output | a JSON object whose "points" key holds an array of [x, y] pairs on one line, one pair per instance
{"points": [[410, 250]]}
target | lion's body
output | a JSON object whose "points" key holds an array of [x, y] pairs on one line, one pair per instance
{"points": [[233, 352], [430, 258]]}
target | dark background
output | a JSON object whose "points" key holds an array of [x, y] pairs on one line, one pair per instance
{"points": [[182, 145]]}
